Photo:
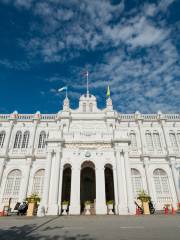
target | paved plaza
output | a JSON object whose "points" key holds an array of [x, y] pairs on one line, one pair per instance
{"points": [[91, 227]]}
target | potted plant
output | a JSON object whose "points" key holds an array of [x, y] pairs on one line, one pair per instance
{"points": [[87, 207], [65, 207], [110, 205], [145, 199], [33, 199]]}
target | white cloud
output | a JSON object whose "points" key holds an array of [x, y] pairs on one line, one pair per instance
{"points": [[15, 65], [140, 60]]}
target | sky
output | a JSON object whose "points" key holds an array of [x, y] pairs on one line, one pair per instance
{"points": [[131, 45]]}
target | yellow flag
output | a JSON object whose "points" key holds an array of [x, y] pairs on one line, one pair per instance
{"points": [[108, 92]]}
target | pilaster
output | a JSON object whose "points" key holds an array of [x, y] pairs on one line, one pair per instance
{"points": [[74, 208], [101, 207], [175, 176], [115, 189], [146, 163], [2, 166], [60, 188], [53, 207], [121, 183], [25, 180], [131, 205], [44, 200]]}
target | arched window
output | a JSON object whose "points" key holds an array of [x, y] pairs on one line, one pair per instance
{"points": [[38, 182], [25, 139], [149, 141], [12, 187], [157, 142], [84, 107], [136, 182], [133, 140], [18, 139], [173, 140], [90, 107], [161, 185], [2, 137], [42, 138]]}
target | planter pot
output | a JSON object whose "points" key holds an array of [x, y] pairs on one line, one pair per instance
{"points": [[31, 209], [87, 209], [146, 208], [110, 208], [64, 208]]}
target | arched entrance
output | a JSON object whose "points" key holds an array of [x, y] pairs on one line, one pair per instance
{"points": [[88, 186], [66, 184], [109, 183]]}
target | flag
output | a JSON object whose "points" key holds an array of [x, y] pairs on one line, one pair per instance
{"points": [[62, 89], [108, 92]]}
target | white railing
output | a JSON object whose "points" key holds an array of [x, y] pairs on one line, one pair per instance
{"points": [[121, 116], [48, 116], [4, 116]]}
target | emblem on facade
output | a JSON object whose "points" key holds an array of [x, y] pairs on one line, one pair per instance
{"points": [[87, 154]]}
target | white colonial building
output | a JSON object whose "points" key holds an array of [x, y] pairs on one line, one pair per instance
{"points": [[89, 154]]}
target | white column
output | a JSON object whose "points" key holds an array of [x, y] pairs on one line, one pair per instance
{"points": [[74, 208], [60, 187], [175, 178], [115, 190], [2, 165], [9, 136], [33, 136], [101, 207], [25, 180], [45, 197], [53, 208], [121, 184], [172, 187], [149, 180], [131, 205]]}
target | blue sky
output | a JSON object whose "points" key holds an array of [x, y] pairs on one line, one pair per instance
{"points": [[131, 45]]}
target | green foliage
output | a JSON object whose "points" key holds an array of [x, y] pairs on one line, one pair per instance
{"points": [[110, 202], [143, 196], [65, 202], [87, 202], [33, 198]]}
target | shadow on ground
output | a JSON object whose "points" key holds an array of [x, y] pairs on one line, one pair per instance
{"points": [[40, 232]]}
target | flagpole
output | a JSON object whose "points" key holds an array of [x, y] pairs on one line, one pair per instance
{"points": [[66, 92], [87, 79]]}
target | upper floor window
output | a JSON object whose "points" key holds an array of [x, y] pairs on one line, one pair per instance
{"points": [[42, 138], [84, 107], [2, 137], [133, 140], [25, 139], [149, 141], [18, 139], [157, 142], [90, 107], [173, 140]]}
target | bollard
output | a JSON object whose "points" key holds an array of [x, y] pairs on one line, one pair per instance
{"points": [[173, 212], [137, 211], [166, 211]]}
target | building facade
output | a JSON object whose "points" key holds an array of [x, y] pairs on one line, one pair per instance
{"points": [[89, 154]]}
